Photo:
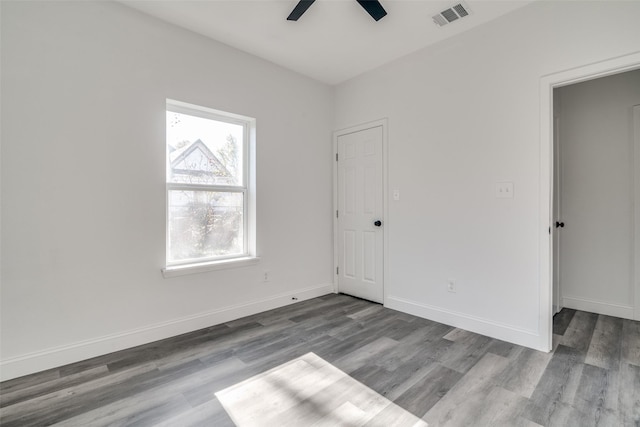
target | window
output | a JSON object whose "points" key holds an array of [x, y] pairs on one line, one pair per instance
{"points": [[210, 198]]}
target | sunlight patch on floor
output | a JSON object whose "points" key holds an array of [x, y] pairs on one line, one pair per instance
{"points": [[308, 391]]}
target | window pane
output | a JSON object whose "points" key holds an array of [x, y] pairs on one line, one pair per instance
{"points": [[205, 224], [204, 151]]}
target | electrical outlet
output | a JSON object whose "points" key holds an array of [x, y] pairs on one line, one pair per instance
{"points": [[451, 286], [265, 276], [504, 190]]}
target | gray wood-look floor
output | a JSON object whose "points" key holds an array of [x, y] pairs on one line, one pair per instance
{"points": [[437, 373]]}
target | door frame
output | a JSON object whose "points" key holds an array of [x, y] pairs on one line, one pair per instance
{"points": [[547, 84], [556, 235], [385, 206], [636, 210]]}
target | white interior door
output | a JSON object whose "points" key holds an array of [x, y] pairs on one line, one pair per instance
{"points": [[359, 216], [558, 224]]}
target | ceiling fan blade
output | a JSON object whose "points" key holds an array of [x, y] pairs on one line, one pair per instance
{"points": [[300, 8], [373, 8]]}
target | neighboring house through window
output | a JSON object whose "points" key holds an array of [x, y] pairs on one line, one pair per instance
{"points": [[210, 187]]}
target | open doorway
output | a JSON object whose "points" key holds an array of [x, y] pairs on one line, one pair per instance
{"points": [[594, 192], [547, 185]]}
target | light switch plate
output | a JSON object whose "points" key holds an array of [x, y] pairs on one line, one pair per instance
{"points": [[504, 190], [396, 194]]}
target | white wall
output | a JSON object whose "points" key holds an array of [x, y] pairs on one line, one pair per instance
{"points": [[84, 86], [464, 115], [596, 142]]}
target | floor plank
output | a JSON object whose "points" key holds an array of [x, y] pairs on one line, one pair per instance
{"points": [[524, 372], [431, 387], [579, 332], [466, 400], [630, 351], [604, 348], [629, 397], [562, 320]]}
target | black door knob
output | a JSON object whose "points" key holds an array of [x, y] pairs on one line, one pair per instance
{"points": [[559, 224], [378, 223]]}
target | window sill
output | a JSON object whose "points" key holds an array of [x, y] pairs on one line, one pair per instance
{"points": [[181, 270]]}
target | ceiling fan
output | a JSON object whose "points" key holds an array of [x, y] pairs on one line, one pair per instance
{"points": [[373, 8]]}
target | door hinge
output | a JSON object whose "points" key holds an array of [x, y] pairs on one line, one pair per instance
{"points": [[336, 157], [337, 270], [337, 213]]}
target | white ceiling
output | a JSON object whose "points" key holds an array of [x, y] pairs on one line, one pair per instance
{"points": [[334, 40]]}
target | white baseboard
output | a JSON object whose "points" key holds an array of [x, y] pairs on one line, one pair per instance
{"points": [[59, 356], [615, 310], [490, 328]]}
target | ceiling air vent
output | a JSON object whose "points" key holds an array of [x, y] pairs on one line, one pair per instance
{"points": [[458, 11]]}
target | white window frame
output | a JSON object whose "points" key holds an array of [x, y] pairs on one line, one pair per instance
{"points": [[247, 189]]}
